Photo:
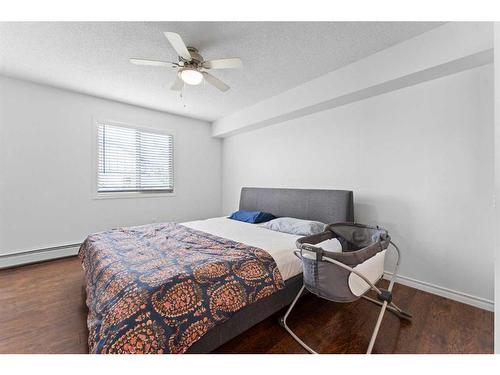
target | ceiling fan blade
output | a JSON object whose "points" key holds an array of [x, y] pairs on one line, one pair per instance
{"points": [[215, 82], [231, 63], [178, 84], [153, 62], [179, 46]]}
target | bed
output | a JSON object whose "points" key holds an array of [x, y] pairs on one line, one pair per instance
{"points": [[129, 280]]}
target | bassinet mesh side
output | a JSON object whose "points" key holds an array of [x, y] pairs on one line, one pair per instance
{"points": [[358, 236], [327, 280]]}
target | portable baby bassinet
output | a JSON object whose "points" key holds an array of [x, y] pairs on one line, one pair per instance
{"points": [[349, 274]]}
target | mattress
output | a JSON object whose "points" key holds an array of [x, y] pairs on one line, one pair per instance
{"points": [[279, 245]]}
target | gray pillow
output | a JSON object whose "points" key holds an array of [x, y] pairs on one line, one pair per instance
{"points": [[291, 225]]}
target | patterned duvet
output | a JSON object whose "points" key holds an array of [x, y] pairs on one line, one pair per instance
{"points": [[159, 288]]}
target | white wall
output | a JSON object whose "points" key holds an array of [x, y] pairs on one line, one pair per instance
{"points": [[46, 163], [420, 163]]}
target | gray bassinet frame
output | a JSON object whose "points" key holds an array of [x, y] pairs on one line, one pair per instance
{"points": [[384, 295]]}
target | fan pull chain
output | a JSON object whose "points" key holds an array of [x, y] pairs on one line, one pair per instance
{"points": [[181, 95]]}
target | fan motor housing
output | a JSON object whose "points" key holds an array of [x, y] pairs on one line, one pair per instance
{"points": [[195, 54]]}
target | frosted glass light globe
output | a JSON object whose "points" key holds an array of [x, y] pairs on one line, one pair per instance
{"points": [[191, 76]]}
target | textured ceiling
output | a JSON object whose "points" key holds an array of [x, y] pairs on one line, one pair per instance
{"points": [[92, 57]]}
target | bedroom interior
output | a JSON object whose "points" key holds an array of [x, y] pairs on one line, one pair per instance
{"points": [[172, 187]]}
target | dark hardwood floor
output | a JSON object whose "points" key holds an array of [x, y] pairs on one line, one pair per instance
{"points": [[42, 310]]}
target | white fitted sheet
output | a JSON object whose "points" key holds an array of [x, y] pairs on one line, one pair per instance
{"points": [[279, 245]]}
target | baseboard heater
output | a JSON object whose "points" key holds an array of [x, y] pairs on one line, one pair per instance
{"points": [[38, 255]]}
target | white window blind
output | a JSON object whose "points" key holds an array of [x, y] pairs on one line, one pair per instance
{"points": [[133, 160]]}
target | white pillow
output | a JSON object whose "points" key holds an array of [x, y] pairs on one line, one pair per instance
{"points": [[291, 225], [333, 245]]}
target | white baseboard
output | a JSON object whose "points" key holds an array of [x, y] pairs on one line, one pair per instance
{"points": [[468, 299], [40, 255]]}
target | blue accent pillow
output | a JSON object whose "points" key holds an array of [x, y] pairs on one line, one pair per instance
{"points": [[253, 217]]}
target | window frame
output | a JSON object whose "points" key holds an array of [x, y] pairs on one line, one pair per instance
{"points": [[95, 162]]}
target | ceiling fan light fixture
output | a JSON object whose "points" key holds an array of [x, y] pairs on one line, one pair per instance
{"points": [[191, 76], [192, 67]]}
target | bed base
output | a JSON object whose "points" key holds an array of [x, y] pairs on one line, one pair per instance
{"points": [[247, 317]]}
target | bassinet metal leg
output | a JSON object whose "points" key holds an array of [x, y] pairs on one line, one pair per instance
{"points": [[385, 305], [283, 323], [377, 327]]}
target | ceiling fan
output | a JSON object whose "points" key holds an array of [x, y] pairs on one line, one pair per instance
{"points": [[192, 68]]}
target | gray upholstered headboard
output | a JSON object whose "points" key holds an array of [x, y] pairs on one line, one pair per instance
{"points": [[327, 206]]}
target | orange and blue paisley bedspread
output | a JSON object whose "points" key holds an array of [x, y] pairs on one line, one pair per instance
{"points": [[159, 288]]}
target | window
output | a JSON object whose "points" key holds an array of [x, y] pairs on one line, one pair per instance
{"points": [[133, 160]]}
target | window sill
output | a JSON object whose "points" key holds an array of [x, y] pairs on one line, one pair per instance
{"points": [[128, 195]]}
